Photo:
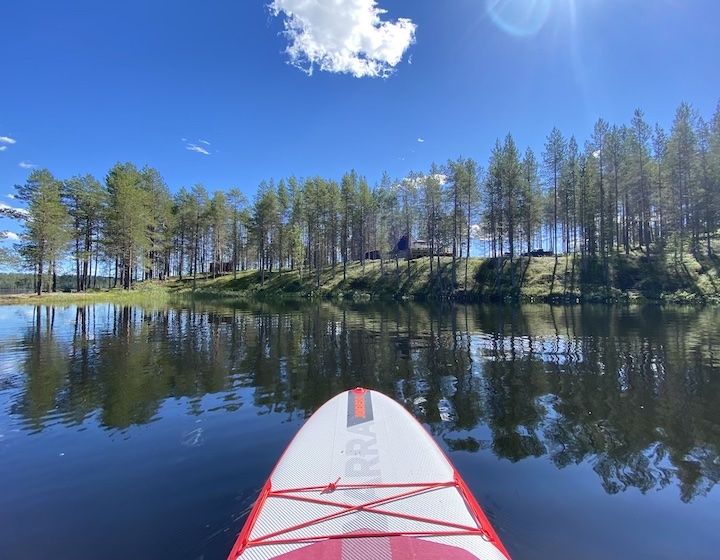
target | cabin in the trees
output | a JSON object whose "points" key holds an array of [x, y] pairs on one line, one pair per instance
{"points": [[219, 268], [417, 248], [537, 253]]}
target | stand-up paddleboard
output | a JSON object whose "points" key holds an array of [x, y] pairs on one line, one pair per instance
{"points": [[363, 480]]}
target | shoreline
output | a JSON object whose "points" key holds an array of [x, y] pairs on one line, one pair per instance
{"points": [[563, 280]]}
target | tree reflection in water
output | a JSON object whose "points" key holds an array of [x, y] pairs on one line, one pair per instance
{"points": [[632, 391]]}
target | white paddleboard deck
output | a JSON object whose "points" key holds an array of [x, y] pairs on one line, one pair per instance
{"points": [[363, 480]]}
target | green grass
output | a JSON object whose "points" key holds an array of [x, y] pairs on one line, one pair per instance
{"points": [[292, 283], [636, 277], [145, 293], [372, 280]]}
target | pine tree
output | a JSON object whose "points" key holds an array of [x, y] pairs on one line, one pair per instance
{"points": [[510, 187], [128, 219], [599, 137], [348, 193], [364, 210], [640, 154], [198, 211], [681, 156], [47, 230], [553, 158], [237, 203], [457, 182], [264, 220], [385, 204], [85, 200], [160, 227], [713, 206], [530, 195], [569, 194], [614, 149], [408, 193], [660, 154], [218, 214], [472, 199], [432, 206], [283, 202]]}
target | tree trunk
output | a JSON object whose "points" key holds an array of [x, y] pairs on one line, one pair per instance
{"points": [[128, 271], [96, 264], [39, 277], [455, 235], [397, 267], [555, 208], [181, 262], [77, 256], [195, 254], [467, 251]]}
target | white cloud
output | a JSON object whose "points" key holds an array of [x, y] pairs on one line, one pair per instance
{"points": [[194, 147], [10, 236], [419, 179], [7, 140], [421, 140], [343, 36], [198, 149], [12, 209], [26, 165], [11, 196], [3, 148]]}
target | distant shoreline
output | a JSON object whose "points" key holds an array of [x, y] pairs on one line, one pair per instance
{"points": [[634, 278]]}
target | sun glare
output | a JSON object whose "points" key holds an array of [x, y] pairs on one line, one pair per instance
{"points": [[523, 18]]}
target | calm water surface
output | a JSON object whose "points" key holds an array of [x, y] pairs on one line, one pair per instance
{"points": [[146, 433]]}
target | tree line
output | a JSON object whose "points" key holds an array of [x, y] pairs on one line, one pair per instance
{"points": [[629, 188]]}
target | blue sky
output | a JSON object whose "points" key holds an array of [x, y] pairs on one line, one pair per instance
{"points": [[85, 83]]}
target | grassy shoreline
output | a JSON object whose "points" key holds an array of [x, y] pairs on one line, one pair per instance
{"points": [[632, 278], [145, 293]]}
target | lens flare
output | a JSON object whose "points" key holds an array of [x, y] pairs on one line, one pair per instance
{"points": [[519, 17]]}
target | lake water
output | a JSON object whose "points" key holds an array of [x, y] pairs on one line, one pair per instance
{"points": [[146, 433]]}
